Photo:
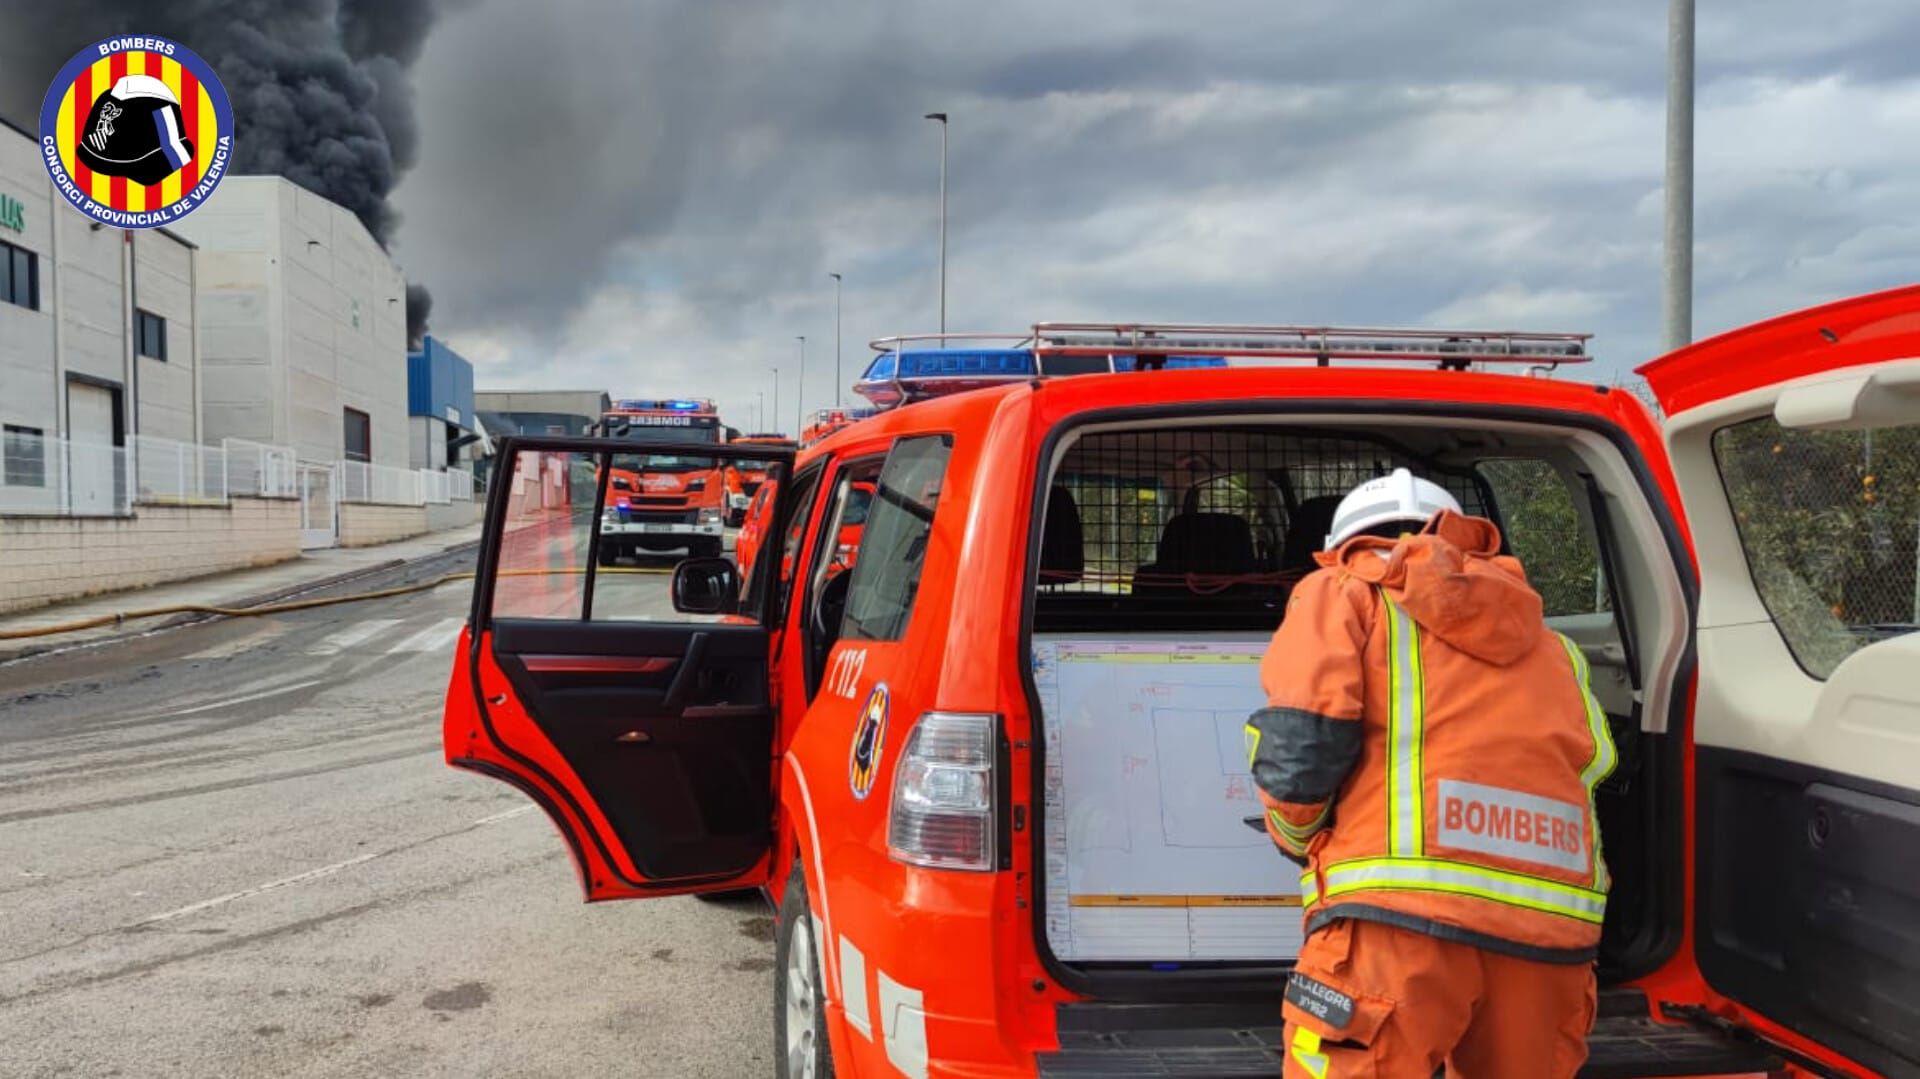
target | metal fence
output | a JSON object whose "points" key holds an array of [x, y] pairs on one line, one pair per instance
{"points": [[255, 468], [55, 476], [169, 473]]}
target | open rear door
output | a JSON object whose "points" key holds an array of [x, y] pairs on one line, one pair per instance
{"points": [[645, 733], [1796, 444]]}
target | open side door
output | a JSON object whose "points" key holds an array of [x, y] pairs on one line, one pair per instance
{"points": [[1796, 444], [644, 732]]}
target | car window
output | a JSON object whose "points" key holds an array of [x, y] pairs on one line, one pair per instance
{"points": [[893, 542], [1542, 527], [1829, 522], [804, 487], [559, 562]]}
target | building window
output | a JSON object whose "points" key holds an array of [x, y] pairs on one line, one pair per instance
{"points": [[359, 436], [25, 450], [151, 334], [19, 277]]}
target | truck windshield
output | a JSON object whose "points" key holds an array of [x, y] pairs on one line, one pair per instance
{"points": [[650, 429]]}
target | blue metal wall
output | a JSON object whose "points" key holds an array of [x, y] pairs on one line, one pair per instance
{"points": [[438, 379]]}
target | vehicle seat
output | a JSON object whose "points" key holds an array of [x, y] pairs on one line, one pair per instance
{"points": [[1062, 553], [1307, 528], [1207, 543]]}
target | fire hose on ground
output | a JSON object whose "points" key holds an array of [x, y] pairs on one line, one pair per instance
{"points": [[289, 606]]}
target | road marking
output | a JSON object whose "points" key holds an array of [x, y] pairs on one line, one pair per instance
{"points": [[498, 817], [230, 701], [341, 640], [272, 885], [438, 637]]}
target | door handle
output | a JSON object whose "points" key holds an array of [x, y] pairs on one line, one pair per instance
{"points": [[676, 696]]}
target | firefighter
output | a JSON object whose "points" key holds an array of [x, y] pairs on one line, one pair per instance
{"points": [[1428, 754]]}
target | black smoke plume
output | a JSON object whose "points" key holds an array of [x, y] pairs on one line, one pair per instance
{"points": [[419, 307], [320, 87]]}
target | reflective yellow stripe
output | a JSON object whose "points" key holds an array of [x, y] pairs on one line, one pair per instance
{"points": [[1406, 721], [1605, 757], [1458, 878], [1253, 744], [1306, 1050], [1298, 834]]}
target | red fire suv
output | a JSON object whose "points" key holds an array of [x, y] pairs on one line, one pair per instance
{"points": [[992, 777]]}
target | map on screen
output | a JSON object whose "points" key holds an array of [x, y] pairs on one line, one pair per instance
{"points": [[1148, 856]]}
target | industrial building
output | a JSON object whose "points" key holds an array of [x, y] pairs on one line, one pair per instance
{"points": [[442, 429], [541, 412], [303, 325], [98, 344]]}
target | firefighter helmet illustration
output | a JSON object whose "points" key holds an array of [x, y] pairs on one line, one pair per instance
{"points": [[135, 130], [869, 739]]}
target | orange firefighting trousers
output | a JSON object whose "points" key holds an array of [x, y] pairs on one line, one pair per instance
{"points": [[1369, 999]]}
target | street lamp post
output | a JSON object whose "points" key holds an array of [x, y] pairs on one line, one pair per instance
{"points": [[800, 391], [760, 410], [775, 372], [1679, 241], [837, 380], [942, 117]]}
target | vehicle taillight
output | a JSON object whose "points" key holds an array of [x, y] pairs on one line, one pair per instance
{"points": [[943, 794]]}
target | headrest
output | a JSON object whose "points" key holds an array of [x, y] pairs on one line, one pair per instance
{"points": [[1307, 528], [1062, 559], [1206, 543]]}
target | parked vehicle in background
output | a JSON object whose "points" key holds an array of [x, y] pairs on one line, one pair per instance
{"points": [[825, 421], [664, 501], [993, 777], [749, 476]]}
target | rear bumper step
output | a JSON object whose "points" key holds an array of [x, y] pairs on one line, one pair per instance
{"points": [[1195, 1041]]}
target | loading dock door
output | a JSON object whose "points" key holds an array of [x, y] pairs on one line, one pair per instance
{"points": [[93, 461]]}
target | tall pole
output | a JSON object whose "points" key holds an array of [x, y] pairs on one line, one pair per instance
{"points": [[837, 382], [1678, 261], [775, 371], [942, 117], [760, 410], [800, 392]]}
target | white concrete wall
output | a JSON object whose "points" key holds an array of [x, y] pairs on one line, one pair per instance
{"points": [[163, 284], [47, 559], [427, 444], [91, 287], [302, 317], [28, 393]]}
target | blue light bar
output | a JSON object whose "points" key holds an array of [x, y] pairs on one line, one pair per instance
{"points": [[650, 404], [897, 377], [1173, 363]]}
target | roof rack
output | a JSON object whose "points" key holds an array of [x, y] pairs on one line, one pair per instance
{"points": [[1454, 349]]}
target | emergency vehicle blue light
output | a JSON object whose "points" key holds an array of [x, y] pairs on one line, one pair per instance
{"points": [[1173, 363], [968, 363]]}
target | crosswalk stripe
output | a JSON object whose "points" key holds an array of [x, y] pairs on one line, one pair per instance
{"points": [[435, 638], [341, 640]]}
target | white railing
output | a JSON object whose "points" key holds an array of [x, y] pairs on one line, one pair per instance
{"points": [[255, 468], [361, 481], [56, 476], [81, 478], [170, 473]]}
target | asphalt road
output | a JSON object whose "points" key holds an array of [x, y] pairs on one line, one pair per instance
{"points": [[232, 849]]}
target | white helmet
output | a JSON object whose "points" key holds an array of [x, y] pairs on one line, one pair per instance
{"points": [[1401, 496]]}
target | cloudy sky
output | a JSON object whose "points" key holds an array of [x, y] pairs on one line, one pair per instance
{"points": [[647, 196]]}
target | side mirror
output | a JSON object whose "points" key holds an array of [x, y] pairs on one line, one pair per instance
{"points": [[706, 586]]}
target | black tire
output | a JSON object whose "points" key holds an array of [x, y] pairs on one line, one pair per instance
{"points": [[706, 548], [810, 1056], [609, 554]]}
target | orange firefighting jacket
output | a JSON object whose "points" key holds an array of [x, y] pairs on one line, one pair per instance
{"points": [[1430, 748]]}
